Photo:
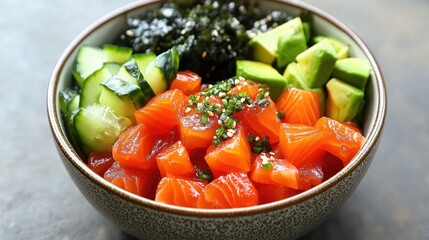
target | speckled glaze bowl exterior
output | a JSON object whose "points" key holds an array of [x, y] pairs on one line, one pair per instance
{"points": [[286, 219]]}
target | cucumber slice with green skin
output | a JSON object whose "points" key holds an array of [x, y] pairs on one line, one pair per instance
{"points": [[123, 106], [115, 53], [122, 88], [91, 89], [143, 60], [88, 60], [126, 76], [133, 70], [162, 70], [98, 127], [72, 107], [73, 104], [65, 97]]}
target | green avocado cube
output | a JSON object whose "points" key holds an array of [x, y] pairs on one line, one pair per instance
{"points": [[262, 73], [316, 63], [294, 77], [263, 47], [291, 43], [354, 71], [344, 100], [341, 48]]}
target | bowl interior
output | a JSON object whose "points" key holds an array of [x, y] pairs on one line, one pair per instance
{"points": [[109, 27]]}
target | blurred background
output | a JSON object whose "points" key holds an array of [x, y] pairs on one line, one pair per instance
{"points": [[39, 201]]}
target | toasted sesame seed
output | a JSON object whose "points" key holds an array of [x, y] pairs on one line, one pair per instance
{"points": [[241, 78], [215, 33], [129, 33], [260, 89], [272, 153], [265, 159], [257, 138], [272, 158], [267, 94], [231, 130], [242, 100], [214, 137], [222, 94], [204, 54], [236, 81], [188, 109], [239, 88], [210, 113], [219, 122], [229, 47], [210, 85], [230, 134]]}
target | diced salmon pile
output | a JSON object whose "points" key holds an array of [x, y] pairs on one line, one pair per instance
{"points": [[227, 145]]}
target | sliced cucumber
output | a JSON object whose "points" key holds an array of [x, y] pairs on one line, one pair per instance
{"points": [[91, 89], [123, 88], [98, 127], [168, 62], [115, 53], [122, 105], [126, 76], [88, 60], [143, 60], [72, 107], [135, 72], [65, 97], [162, 70], [73, 104]]}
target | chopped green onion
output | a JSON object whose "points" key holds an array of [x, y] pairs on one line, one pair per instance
{"points": [[250, 138], [230, 123], [257, 149], [204, 175], [263, 102], [281, 114], [220, 131], [216, 142], [204, 119], [267, 166]]}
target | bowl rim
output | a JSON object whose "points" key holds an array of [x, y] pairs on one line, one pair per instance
{"points": [[72, 156]]}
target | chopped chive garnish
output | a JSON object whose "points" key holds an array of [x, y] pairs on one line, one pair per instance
{"points": [[216, 142], [267, 166], [257, 149], [204, 175], [263, 102], [250, 138], [258, 144], [230, 123], [281, 114], [204, 119]]}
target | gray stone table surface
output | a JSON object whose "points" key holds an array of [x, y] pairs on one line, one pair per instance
{"points": [[39, 201]]}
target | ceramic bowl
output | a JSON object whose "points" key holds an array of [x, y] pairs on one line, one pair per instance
{"points": [[286, 219]]}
